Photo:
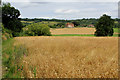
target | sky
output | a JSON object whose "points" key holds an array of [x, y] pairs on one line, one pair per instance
{"points": [[65, 9]]}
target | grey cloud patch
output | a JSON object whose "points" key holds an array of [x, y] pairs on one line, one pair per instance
{"points": [[29, 4], [66, 11]]}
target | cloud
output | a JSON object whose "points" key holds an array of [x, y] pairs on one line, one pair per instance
{"points": [[29, 4], [66, 11]]}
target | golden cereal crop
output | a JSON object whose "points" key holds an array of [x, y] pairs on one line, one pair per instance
{"points": [[70, 57], [82, 30]]}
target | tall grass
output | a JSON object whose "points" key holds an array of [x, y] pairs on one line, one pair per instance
{"points": [[11, 59]]}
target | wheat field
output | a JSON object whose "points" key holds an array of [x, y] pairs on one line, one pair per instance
{"points": [[70, 57], [82, 30]]}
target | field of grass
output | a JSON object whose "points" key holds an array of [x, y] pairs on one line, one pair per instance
{"points": [[43, 22], [71, 57], [27, 21], [81, 30], [92, 35], [49, 22], [76, 31], [116, 30]]}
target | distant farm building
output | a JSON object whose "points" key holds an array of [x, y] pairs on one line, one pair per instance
{"points": [[69, 25], [91, 25]]}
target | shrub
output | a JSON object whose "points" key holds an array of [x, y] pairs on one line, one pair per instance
{"points": [[6, 34], [61, 25], [76, 23], [53, 26], [104, 27], [36, 29]]}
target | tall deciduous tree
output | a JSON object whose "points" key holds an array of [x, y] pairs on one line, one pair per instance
{"points": [[10, 18], [104, 27]]}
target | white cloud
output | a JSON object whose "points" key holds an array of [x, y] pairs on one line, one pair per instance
{"points": [[66, 11]]}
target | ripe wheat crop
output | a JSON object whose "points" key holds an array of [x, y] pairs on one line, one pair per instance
{"points": [[70, 57], [82, 30]]}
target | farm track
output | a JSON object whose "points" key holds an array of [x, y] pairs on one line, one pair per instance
{"points": [[70, 57]]}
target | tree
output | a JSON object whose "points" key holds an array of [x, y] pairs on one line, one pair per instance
{"points": [[61, 24], [36, 29], [10, 18], [76, 23], [104, 27]]}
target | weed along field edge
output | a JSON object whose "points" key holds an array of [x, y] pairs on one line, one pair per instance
{"points": [[12, 56], [71, 57]]}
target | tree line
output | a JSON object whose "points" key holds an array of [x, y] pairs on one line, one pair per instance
{"points": [[78, 22]]}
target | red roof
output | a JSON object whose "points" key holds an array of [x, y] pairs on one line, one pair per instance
{"points": [[69, 25]]}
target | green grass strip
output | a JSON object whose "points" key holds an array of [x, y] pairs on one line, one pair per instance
{"points": [[89, 35], [11, 59]]}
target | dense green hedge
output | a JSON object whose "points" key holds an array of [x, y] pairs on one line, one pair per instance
{"points": [[36, 29]]}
